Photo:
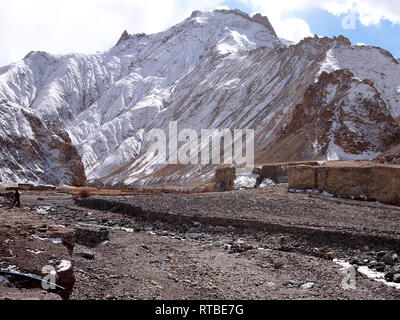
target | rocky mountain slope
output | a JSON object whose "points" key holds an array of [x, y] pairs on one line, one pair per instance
{"points": [[220, 69], [36, 150], [343, 116]]}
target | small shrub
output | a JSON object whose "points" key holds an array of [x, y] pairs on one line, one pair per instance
{"points": [[212, 187], [84, 194]]}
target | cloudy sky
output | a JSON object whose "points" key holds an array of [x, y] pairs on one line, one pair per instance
{"points": [[87, 26]]}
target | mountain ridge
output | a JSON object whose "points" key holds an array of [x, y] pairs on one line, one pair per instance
{"points": [[220, 69]]}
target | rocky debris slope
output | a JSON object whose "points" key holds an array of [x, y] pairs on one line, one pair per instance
{"points": [[151, 259], [35, 246], [344, 118], [391, 156], [220, 69]]}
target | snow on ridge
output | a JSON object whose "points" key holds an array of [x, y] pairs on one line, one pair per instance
{"points": [[204, 72], [153, 77], [367, 62], [329, 65], [104, 100]]}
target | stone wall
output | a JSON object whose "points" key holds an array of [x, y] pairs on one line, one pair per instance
{"points": [[225, 179], [370, 181], [31, 187], [278, 172], [44, 188], [25, 186]]}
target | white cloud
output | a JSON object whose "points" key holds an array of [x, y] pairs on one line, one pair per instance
{"points": [[368, 12], [222, 8], [293, 29], [371, 12], [87, 26], [290, 29]]}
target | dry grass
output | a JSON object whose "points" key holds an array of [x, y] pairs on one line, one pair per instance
{"points": [[81, 193], [84, 194], [142, 191], [113, 192], [211, 187], [44, 192]]}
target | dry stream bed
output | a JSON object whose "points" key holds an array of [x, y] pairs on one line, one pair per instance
{"points": [[249, 244]]}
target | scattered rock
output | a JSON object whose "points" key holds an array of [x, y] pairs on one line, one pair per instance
{"points": [[307, 285], [381, 254], [373, 263], [7, 253], [389, 276], [240, 247], [91, 237], [388, 259], [329, 255], [396, 278], [278, 265], [355, 261], [89, 255], [380, 268], [290, 283]]}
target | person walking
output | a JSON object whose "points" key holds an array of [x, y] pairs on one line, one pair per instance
{"points": [[17, 199]]}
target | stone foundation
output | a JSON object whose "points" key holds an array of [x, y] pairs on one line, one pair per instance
{"points": [[225, 179], [278, 172], [365, 180], [25, 186]]}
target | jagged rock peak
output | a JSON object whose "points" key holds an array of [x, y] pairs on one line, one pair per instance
{"points": [[264, 21], [256, 17], [340, 39], [125, 36], [343, 40], [218, 69]]}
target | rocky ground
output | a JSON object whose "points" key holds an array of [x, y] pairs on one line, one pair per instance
{"points": [[32, 245], [249, 244]]}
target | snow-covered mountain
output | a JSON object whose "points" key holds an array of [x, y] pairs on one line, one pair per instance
{"points": [[220, 69]]}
